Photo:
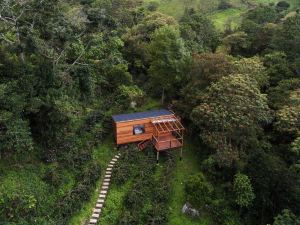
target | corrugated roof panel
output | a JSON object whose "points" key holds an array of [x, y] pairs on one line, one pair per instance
{"points": [[141, 115]]}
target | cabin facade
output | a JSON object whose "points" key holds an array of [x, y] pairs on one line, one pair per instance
{"points": [[161, 128]]}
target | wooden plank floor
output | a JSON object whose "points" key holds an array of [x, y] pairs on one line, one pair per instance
{"points": [[168, 142]]}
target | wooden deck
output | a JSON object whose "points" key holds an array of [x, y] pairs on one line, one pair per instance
{"points": [[167, 141]]}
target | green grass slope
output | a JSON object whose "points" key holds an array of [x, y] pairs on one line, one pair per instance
{"points": [[220, 18]]}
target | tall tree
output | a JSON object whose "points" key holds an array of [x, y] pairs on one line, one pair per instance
{"points": [[230, 116], [167, 60]]}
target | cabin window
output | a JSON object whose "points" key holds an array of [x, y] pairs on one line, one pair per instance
{"points": [[138, 129]]}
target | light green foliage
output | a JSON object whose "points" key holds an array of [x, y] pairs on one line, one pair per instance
{"points": [[288, 117], [131, 94], [230, 113], [295, 146], [254, 68], [243, 190], [286, 218]]}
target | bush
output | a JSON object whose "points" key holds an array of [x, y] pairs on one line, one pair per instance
{"points": [[222, 214], [283, 5], [198, 190], [224, 4], [152, 6]]}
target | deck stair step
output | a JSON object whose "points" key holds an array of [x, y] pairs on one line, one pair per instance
{"points": [[142, 145]]}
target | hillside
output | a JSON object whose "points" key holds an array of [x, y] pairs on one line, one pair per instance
{"points": [[225, 73], [231, 14]]}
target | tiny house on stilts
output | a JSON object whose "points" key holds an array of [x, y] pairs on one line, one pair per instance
{"points": [[161, 128]]}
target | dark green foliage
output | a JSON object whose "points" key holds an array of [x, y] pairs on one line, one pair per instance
{"points": [[199, 33], [262, 14], [224, 4], [283, 5], [287, 37], [152, 6]]}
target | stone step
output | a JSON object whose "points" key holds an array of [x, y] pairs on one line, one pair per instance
{"points": [[114, 160], [108, 173], [102, 196], [97, 211], [103, 192], [104, 187], [105, 183], [100, 201], [106, 180], [111, 165], [93, 221], [109, 169], [96, 215], [107, 176], [117, 156], [99, 205]]}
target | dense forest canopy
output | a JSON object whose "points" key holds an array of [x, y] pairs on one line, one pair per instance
{"points": [[67, 66]]}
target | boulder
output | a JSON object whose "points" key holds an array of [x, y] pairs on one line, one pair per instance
{"points": [[188, 210]]}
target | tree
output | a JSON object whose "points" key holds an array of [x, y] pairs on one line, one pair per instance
{"points": [[287, 37], [236, 43], [204, 69], [278, 67], [254, 68], [199, 33], [167, 60], [288, 117], [286, 218], [137, 39], [230, 116], [243, 190], [279, 95]]}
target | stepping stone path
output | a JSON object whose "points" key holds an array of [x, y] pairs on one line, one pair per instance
{"points": [[103, 192]]}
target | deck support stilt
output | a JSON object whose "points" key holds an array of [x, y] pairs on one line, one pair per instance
{"points": [[157, 156], [180, 154]]}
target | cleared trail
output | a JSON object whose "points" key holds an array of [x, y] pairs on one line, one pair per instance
{"points": [[103, 191]]}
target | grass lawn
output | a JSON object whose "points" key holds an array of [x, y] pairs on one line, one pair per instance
{"points": [[103, 154], [192, 156], [234, 15]]}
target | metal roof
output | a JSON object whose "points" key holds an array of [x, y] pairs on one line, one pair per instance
{"points": [[141, 115]]}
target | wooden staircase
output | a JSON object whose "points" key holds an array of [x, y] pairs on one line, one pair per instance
{"points": [[142, 145]]}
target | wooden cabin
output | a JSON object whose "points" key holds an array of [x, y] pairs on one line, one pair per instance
{"points": [[161, 128]]}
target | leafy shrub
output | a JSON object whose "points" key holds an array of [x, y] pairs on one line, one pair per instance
{"points": [[283, 5], [286, 218], [243, 190], [224, 4], [73, 200], [198, 191], [152, 6], [16, 206], [222, 214]]}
